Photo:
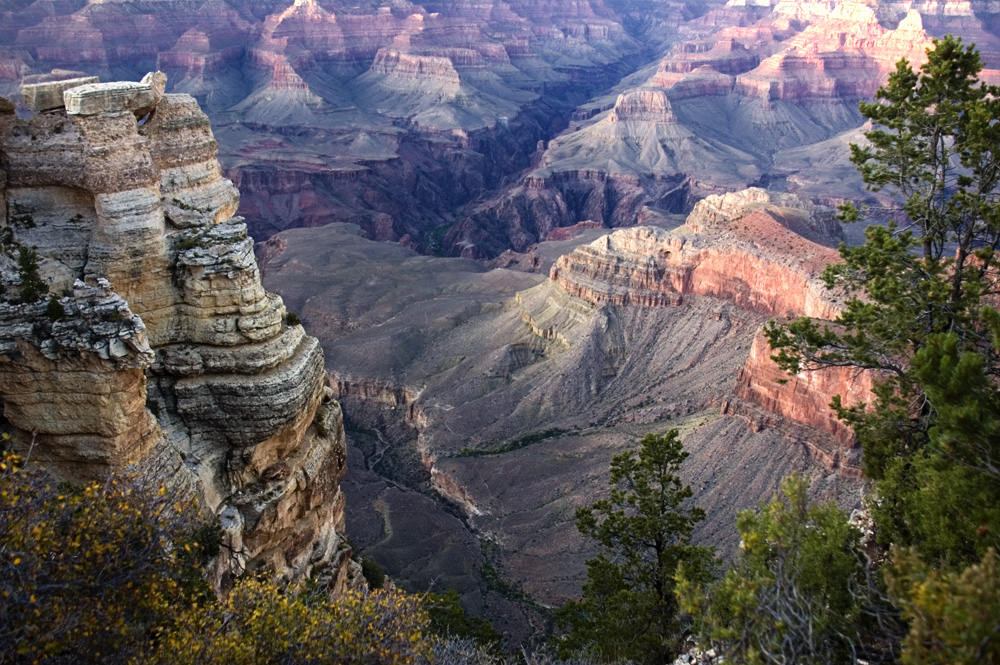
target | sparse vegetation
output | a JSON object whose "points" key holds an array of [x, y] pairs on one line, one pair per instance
{"points": [[514, 444], [54, 310], [33, 287], [449, 621], [629, 611], [373, 573], [292, 319]]}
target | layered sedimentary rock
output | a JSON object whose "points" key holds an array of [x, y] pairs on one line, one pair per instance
{"points": [[763, 96], [806, 396], [736, 247], [389, 115], [157, 343], [499, 395]]}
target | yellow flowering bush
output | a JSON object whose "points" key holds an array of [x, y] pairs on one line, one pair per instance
{"points": [[259, 622], [93, 573], [114, 572]]}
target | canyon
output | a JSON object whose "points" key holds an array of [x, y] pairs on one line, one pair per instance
{"points": [[524, 234], [484, 402], [477, 127]]}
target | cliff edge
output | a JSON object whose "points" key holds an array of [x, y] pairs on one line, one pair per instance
{"points": [[156, 342]]}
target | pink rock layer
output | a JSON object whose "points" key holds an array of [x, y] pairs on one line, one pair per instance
{"points": [[806, 396]]}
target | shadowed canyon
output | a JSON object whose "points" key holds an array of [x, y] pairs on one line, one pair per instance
{"points": [[524, 234]]}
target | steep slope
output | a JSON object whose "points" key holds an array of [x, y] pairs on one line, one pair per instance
{"points": [[158, 345], [485, 404]]}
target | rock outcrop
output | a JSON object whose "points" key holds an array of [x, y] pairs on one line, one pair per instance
{"points": [[804, 397], [735, 246], [157, 343]]}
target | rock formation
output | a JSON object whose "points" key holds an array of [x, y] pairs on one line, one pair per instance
{"points": [[762, 95], [485, 404], [735, 246], [158, 344], [806, 396], [390, 115]]}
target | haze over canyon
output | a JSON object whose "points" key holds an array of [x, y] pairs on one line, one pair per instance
{"points": [[524, 233]]}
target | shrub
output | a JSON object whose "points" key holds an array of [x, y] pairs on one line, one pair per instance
{"points": [[92, 573], [373, 573], [292, 319], [261, 622], [55, 309], [449, 621]]}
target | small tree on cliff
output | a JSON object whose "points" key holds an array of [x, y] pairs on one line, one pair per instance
{"points": [[33, 287], [628, 610], [917, 291]]}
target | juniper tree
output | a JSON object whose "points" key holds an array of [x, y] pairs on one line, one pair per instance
{"points": [[800, 590], [629, 610]]}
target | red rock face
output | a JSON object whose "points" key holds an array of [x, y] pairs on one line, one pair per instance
{"points": [[748, 84], [754, 265], [738, 248], [806, 396]]}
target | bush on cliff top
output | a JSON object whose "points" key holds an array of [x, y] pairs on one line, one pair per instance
{"points": [[115, 573], [93, 573]]}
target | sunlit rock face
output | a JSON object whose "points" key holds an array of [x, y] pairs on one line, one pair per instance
{"points": [[746, 248], [158, 345], [739, 247]]}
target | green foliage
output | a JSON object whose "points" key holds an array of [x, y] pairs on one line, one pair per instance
{"points": [[92, 573], [449, 621], [373, 573], [799, 591], [494, 580], [915, 301], [292, 319], [953, 617], [33, 287], [54, 310], [259, 621], [628, 610], [513, 444]]}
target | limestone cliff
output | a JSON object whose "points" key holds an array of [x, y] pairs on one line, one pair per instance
{"points": [[157, 343]]}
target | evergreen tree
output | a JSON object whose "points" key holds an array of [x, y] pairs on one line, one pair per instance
{"points": [[33, 287], [954, 617], [916, 288], [629, 610]]}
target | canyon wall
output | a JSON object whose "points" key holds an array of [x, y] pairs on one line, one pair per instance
{"points": [[388, 115], [752, 94], [737, 247], [806, 396], [155, 343]]}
